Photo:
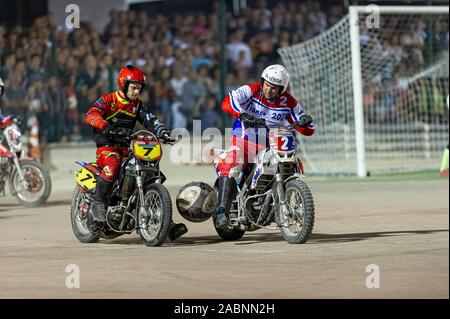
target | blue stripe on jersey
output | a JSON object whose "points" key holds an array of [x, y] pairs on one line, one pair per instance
{"points": [[294, 117], [233, 104], [98, 107]]}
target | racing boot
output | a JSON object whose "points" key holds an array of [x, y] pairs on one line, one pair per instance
{"points": [[227, 192], [102, 191], [177, 230]]}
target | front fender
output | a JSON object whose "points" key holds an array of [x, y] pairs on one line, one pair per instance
{"points": [[152, 179], [24, 159], [295, 176]]}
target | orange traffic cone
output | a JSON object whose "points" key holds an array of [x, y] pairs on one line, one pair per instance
{"points": [[34, 150]]}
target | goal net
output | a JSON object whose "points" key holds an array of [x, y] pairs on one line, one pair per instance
{"points": [[403, 86]]}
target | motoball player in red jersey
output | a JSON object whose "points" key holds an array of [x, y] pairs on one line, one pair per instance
{"points": [[116, 114], [265, 103]]}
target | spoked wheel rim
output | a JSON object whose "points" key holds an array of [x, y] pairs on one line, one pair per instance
{"points": [[80, 218], [294, 202], [154, 205], [35, 184]]}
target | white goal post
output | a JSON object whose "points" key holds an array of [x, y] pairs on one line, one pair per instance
{"points": [[376, 82]]}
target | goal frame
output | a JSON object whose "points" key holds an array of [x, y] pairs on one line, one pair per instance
{"points": [[354, 13]]}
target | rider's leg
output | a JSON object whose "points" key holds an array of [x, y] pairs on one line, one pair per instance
{"points": [[227, 192], [228, 169], [103, 189], [109, 160]]}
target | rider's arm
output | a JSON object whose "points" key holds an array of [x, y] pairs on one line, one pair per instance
{"points": [[293, 117], [232, 104], [94, 115], [307, 131], [150, 121]]}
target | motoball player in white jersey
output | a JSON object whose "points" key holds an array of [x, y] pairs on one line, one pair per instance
{"points": [[265, 103]]}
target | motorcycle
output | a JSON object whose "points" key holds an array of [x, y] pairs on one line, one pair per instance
{"points": [[138, 202], [272, 190], [29, 180]]}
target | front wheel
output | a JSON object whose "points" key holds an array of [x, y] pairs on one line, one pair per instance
{"points": [[79, 211], [300, 221], [35, 189], [155, 226]]}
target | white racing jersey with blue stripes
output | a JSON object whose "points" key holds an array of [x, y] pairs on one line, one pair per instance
{"points": [[281, 111]]}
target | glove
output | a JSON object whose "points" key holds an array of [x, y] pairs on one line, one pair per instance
{"points": [[2, 87], [304, 120], [247, 119], [112, 132], [107, 130], [165, 136], [260, 122]]}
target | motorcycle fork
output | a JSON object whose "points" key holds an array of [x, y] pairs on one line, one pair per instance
{"points": [[139, 183], [283, 211], [23, 182]]}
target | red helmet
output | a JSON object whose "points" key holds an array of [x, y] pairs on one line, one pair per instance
{"points": [[130, 74]]}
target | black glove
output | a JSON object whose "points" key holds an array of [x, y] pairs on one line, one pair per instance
{"points": [[165, 136], [247, 119], [260, 122], [107, 130], [116, 133], [304, 120]]}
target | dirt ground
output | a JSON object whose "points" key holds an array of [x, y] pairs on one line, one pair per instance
{"points": [[401, 227]]}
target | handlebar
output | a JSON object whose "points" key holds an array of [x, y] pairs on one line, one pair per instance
{"points": [[169, 141], [123, 137], [263, 124]]}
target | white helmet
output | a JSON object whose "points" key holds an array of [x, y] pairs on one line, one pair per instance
{"points": [[276, 74]]}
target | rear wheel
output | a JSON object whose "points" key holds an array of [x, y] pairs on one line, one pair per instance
{"points": [[154, 228], [300, 221]]}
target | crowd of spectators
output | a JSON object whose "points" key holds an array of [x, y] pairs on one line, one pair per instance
{"points": [[392, 59], [53, 75]]}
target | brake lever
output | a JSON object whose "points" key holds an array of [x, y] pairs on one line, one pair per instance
{"points": [[169, 141]]}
